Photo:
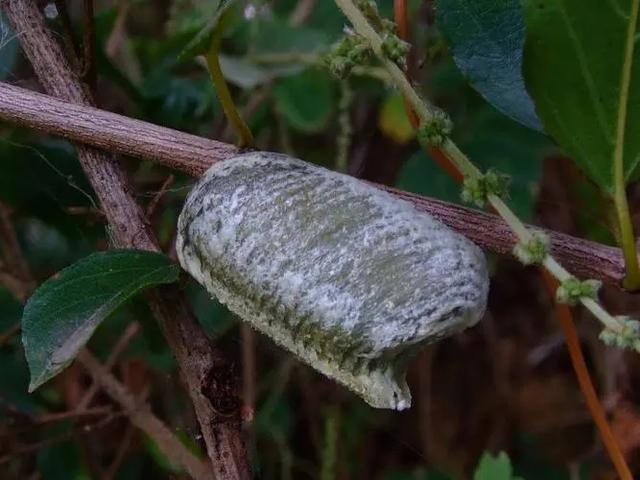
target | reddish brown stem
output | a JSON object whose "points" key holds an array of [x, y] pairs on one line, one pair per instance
{"points": [[562, 311]]}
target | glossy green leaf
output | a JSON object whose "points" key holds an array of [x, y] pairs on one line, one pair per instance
{"points": [[487, 38], [306, 100], [62, 314], [575, 56]]}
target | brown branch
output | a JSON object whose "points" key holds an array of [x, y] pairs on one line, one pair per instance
{"points": [[206, 371], [16, 287], [89, 74], [153, 204], [117, 33], [123, 342], [123, 449], [141, 417], [193, 155], [79, 431], [12, 254]]}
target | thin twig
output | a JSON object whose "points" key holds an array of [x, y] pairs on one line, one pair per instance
{"points": [[123, 449], [12, 254], [142, 418], [194, 155], [123, 342], [89, 73], [117, 33], [16, 287], [248, 371], [159, 194], [73, 414], [82, 430], [69, 415]]}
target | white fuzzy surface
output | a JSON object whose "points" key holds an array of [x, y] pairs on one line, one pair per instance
{"points": [[344, 275]]}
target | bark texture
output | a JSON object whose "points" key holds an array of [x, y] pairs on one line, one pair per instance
{"points": [[205, 371]]}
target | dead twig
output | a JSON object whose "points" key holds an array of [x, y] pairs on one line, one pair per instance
{"points": [[123, 342], [151, 208], [142, 418]]}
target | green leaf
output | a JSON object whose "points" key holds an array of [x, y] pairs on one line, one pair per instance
{"points": [[487, 38], [494, 468], [277, 36], [8, 48], [306, 100], [576, 55], [63, 313], [393, 120], [245, 74], [201, 43]]}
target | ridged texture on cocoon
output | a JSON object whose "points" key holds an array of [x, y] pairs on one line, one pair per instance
{"points": [[347, 277]]}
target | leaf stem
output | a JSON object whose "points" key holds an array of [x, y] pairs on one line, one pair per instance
{"points": [[457, 157], [586, 385], [243, 133], [563, 312], [626, 236]]}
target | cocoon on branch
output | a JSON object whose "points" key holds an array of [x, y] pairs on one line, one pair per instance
{"points": [[350, 279]]}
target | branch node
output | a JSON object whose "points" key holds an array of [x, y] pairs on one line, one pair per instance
{"points": [[434, 132], [346, 53], [572, 290], [626, 338], [534, 251], [476, 190]]}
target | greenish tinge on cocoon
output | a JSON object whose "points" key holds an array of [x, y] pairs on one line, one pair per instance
{"points": [[347, 277]]}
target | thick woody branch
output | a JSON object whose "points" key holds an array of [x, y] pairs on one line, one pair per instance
{"points": [[204, 370], [193, 155]]}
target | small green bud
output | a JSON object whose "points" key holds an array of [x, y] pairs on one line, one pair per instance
{"points": [[435, 131], [346, 53], [395, 49], [627, 337], [534, 251], [572, 290], [476, 190], [339, 66], [389, 26], [369, 9]]}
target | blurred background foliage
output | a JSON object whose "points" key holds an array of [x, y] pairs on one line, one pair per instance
{"points": [[505, 385]]}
